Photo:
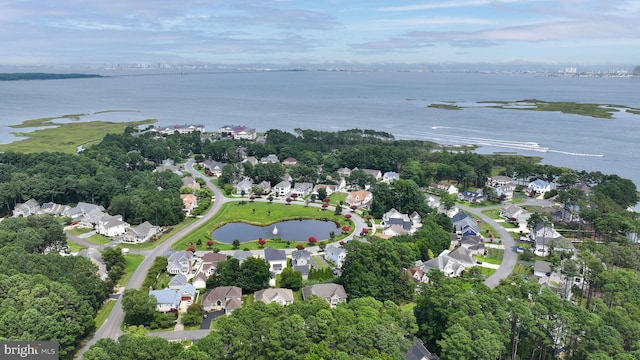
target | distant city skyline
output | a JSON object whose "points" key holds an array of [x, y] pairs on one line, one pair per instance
{"points": [[575, 33]]}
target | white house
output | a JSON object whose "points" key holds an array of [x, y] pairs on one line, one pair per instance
{"points": [[180, 263], [277, 261], [390, 176], [539, 187], [302, 189], [141, 233], [360, 198], [336, 255], [282, 188], [166, 299], [244, 186], [111, 226], [301, 261], [200, 281]]}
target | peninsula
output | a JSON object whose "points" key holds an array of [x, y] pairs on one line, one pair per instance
{"points": [[44, 76]]}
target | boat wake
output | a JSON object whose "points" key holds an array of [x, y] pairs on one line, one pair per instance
{"points": [[506, 144]]}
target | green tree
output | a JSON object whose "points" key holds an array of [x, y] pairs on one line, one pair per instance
{"points": [[254, 275], [291, 279], [139, 307]]}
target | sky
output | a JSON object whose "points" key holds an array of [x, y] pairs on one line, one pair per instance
{"points": [[569, 32]]}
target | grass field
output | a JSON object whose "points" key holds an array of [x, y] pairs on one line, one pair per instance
{"points": [[520, 269], [494, 256], [265, 214], [66, 135], [98, 239], [486, 271], [74, 247], [132, 262], [104, 313]]}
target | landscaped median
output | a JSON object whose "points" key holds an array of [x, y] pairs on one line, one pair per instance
{"points": [[261, 214]]}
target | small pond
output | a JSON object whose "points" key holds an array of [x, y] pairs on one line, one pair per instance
{"points": [[294, 230]]}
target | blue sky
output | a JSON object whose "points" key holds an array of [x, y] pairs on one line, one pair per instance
{"points": [[570, 32]]}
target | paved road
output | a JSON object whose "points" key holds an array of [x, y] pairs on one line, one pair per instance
{"points": [[111, 327], [510, 256]]}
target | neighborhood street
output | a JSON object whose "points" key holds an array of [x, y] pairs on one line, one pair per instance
{"points": [[111, 328]]}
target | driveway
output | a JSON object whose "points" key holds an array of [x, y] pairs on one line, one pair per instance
{"points": [[211, 315]]}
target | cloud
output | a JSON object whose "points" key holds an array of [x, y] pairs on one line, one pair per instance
{"points": [[443, 5]]}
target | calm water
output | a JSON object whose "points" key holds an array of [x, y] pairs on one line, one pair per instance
{"points": [[294, 230], [393, 102]]}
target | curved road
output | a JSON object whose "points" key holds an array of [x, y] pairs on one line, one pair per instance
{"points": [[111, 327]]}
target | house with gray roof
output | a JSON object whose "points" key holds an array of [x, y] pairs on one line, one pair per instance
{"points": [[390, 176], [538, 187], [279, 295], [166, 300], [82, 209], [301, 261], [465, 224], [242, 255], [225, 298], [180, 263], [283, 188], [277, 259], [271, 158], [332, 293], [336, 255], [419, 352], [178, 281], [302, 189], [244, 185], [141, 233], [30, 207], [111, 226], [52, 208]]}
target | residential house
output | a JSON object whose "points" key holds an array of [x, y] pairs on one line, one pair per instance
{"points": [[465, 224], [180, 263], [280, 296], [245, 186], [463, 256], [472, 196], [271, 158], [190, 182], [500, 180], [283, 188], [336, 255], [419, 352], [181, 129], [359, 198], [187, 293], [169, 165], [227, 298], [251, 160], [200, 281], [210, 262], [82, 209], [52, 208], [543, 246], [473, 244], [330, 189], [290, 161], [141, 233], [238, 132], [542, 268], [505, 192], [417, 275], [542, 230], [302, 189], [166, 300], [266, 187], [178, 281], [584, 188], [449, 266], [189, 202], [395, 223], [538, 187], [443, 187], [277, 260], [332, 293], [30, 207], [377, 174], [301, 261], [214, 166], [111, 226], [344, 172], [96, 258], [242, 255], [511, 212], [390, 176]]}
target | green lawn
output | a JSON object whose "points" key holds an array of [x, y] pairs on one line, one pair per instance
{"points": [[73, 247], [256, 213], [493, 213], [336, 197], [98, 239], [132, 262], [486, 271], [318, 262], [520, 269], [104, 313], [247, 300], [494, 256], [79, 230]]}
